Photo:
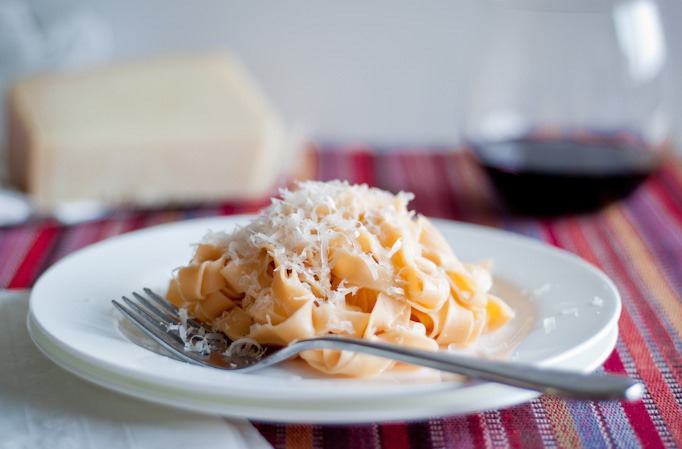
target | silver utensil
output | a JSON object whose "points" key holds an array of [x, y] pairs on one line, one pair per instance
{"points": [[189, 341]]}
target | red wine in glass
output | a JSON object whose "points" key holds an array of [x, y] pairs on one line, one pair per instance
{"points": [[561, 175]]}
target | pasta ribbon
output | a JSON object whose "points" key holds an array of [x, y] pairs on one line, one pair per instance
{"points": [[334, 258]]}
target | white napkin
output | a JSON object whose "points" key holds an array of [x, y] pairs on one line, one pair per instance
{"points": [[44, 406]]}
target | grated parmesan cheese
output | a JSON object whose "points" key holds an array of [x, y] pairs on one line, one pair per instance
{"points": [[549, 324], [195, 337], [301, 226], [572, 311], [545, 288], [244, 347]]}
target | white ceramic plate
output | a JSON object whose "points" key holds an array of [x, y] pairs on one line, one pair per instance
{"points": [[567, 314]]}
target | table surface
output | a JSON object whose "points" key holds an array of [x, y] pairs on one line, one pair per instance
{"points": [[637, 242]]}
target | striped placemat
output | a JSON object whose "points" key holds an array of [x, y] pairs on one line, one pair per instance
{"points": [[637, 242]]}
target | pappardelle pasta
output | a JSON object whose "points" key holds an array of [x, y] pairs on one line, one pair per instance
{"points": [[335, 258]]}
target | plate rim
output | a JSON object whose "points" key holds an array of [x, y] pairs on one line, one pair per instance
{"points": [[310, 412], [206, 221]]}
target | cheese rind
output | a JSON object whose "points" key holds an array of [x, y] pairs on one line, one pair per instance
{"points": [[174, 130]]}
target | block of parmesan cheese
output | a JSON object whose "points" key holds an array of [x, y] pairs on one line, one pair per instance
{"points": [[184, 129]]}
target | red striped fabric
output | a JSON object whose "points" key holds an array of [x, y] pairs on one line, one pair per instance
{"points": [[637, 242], [35, 258]]}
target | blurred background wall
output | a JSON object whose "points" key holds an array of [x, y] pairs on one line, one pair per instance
{"points": [[382, 72]]}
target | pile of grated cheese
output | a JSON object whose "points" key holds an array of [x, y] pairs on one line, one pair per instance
{"points": [[297, 228]]}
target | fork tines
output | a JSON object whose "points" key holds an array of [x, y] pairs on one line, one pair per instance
{"points": [[169, 326]]}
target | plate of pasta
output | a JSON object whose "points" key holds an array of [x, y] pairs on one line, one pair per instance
{"points": [[272, 278]]}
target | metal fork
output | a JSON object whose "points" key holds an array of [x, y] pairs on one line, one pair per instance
{"points": [[156, 317]]}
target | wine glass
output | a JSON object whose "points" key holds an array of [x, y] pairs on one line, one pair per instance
{"points": [[565, 103]]}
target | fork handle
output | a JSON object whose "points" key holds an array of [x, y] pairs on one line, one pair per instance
{"points": [[552, 381]]}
